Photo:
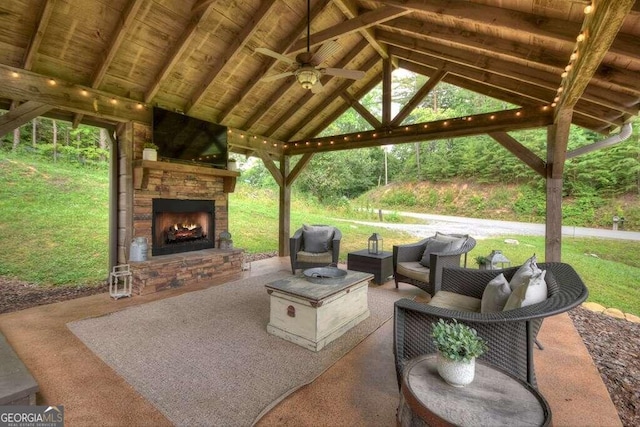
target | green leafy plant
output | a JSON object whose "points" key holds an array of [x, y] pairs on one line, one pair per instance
{"points": [[482, 260], [457, 341], [150, 145]]}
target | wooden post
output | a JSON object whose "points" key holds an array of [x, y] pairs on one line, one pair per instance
{"points": [[557, 140], [113, 200], [284, 208]]}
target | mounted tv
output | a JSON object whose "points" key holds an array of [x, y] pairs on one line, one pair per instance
{"points": [[186, 139]]}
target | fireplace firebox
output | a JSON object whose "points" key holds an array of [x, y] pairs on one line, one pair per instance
{"points": [[182, 225]]}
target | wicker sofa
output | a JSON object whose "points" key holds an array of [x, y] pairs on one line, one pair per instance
{"points": [[407, 267], [510, 334]]}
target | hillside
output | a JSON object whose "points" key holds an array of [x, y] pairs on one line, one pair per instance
{"points": [[505, 201]]}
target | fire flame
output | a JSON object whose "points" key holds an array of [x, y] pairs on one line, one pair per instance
{"points": [[185, 226]]}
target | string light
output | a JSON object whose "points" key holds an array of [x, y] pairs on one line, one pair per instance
{"points": [[581, 37], [114, 101], [564, 74], [52, 82], [588, 9], [15, 74], [573, 56]]}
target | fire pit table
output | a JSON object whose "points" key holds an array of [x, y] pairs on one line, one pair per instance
{"points": [[314, 310]]}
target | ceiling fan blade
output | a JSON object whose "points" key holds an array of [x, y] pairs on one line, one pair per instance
{"points": [[341, 72], [331, 47], [276, 76], [275, 55], [317, 88]]}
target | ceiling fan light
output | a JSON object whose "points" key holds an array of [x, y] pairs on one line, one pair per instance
{"points": [[307, 78]]}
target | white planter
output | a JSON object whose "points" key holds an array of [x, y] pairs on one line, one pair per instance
{"points": [[232, 166], [457, 374], [149, 154]]}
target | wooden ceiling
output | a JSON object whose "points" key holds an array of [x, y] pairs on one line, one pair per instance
{"points": [[108, 61]]}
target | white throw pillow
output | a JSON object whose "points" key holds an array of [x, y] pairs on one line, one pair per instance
{"points": [[526, 270], [495, 295], [532, 292]]}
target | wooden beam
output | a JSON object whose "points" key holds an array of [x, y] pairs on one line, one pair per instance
{"points": [[362, 21], [350, 10], [599, 30], [522, 88], [418, 97], [70, 97], [248, 30], [271, 167], [36, 39], [366, 114], [299, 167], [21, 115], [241, 139], [270, 63], [284, 210], [493, 18], [499, 121], [606, 79], [296, 106], [387, 70], [557, 154], [179, 48], [502, 94], [261, 110], [520, 151]]}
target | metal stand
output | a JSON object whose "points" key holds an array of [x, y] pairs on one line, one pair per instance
{"points": [[120, 282]]}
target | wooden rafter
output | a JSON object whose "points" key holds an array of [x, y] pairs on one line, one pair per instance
{"points": [[522, 88], [21, 115], [387, 70], [530, 59], [36, 39], [600, 30], [361, 22], [350, 10], [309, 95], [499, 121], [271, 62], [261, 110], [418, 97], [299, 167], [271, 167], [502, 94], [201, 13], [491, 17], [239, 41]]}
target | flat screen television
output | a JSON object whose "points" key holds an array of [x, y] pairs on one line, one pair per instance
{"points": [[186, 139]]}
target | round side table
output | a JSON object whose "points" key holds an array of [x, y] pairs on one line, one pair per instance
{"points": [[494, 398]]}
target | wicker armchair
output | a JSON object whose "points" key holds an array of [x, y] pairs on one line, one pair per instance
{"points": [[406, 267], [302, 258], [510, 334]]}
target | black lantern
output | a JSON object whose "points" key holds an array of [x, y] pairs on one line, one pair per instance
{"points": [[375, 244]]}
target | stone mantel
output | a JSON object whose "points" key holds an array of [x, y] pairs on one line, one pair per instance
{"points": [[142, 167]]}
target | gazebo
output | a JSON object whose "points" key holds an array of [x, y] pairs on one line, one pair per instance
{"points": [[257, 68]]}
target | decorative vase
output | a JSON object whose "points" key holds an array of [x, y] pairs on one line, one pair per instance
{"points": [[149, 154], [231, 165], [455, 373]]}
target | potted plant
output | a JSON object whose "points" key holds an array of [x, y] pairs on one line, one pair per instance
{"points": [[483, 262], [150, 151], [458, 346], [231, 164]]}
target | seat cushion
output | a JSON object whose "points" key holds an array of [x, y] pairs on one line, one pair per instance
{"points": [[495, 295], [316, 238], [457, 302], [413, 270], [433, 246], [314, 258]]}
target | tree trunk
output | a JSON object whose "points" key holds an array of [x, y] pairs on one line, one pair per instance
{"points": [[34, 132], [54, 130], [103, 141], [16, 138]]}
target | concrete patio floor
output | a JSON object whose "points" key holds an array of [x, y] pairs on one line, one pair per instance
{"points": [[359, 390]]}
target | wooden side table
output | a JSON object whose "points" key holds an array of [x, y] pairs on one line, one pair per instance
{"points": [[380, 265], [494, 398]]}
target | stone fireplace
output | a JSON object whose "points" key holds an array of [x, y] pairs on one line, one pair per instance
{"points": [[180, 209]]}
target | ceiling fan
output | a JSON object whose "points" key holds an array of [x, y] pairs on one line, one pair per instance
{"points": [[308, 67]]}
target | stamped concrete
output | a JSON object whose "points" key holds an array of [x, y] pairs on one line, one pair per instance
{"points": [[359, 390]]}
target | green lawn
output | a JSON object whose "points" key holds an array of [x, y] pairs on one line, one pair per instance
{"points": [[54, 231]]}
